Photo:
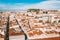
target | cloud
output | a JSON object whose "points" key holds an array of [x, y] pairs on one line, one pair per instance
{"points": [[53, 0], [45, 5], [51, 5], [11, 7]]}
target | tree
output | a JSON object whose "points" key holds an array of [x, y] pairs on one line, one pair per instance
{"points": [[33, 10]]}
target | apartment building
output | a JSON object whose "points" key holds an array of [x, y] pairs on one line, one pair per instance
{"points": [[44, 24]]}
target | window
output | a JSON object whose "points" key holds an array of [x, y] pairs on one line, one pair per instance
{"points": [[59, 21], [54, 22]]}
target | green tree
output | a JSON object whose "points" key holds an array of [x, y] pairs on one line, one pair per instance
{"points": [[33, 10]]}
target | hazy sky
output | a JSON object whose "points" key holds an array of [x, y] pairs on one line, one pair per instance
{"points": [[17, 5]]}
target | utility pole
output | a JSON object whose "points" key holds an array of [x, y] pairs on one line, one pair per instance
{"points": [[7, 30]]}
